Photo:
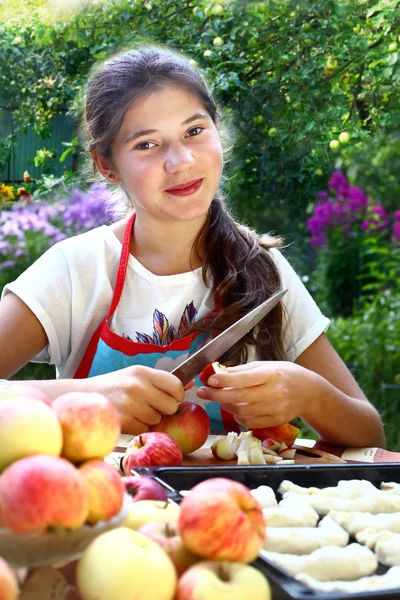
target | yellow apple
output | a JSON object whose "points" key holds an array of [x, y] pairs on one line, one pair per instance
{"points": [[125, 565], [220, 580], [27, 426], [8, 582], [146, 511]]}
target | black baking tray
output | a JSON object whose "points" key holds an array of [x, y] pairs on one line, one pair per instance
{"points": [[284, 587]]}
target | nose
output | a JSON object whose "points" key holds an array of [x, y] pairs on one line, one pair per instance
{"points": [[178, 158]]}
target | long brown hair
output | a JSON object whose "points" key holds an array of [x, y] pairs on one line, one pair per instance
{"points": [[239, 263]]}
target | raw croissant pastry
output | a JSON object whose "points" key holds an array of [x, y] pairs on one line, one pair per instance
{"points": [[304, 540], [289, 514], [350, 489], [354, 522], [366, 584], [385, 543], [328, 563], [379, 502], [265, 496]]}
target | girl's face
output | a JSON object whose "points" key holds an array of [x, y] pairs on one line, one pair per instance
{"points": [[168, 156]]}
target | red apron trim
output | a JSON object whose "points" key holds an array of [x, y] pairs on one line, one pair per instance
{"points": [[129, 347]]}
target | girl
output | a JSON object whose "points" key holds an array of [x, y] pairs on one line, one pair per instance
{"points": [[108, 306]]}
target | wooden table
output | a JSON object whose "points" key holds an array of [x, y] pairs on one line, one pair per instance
{"points": [[305, 454]]}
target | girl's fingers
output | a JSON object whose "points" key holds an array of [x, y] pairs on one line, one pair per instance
{"points": [[243, 377]]}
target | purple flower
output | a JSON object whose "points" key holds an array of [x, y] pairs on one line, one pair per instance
{"points": [[7, 264], [358, 201], [396, 215], [315, 224], [322, 196], [318, 240], [377, 219], [339, 182]]}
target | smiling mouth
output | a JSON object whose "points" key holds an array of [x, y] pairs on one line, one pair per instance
{"points": [[185, 189]]}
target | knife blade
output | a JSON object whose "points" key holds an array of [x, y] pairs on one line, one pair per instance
{"points": [[216, 347]]}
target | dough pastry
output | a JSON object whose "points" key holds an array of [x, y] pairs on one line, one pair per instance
{"points": [[388, 581], [290, 514], [391, 487], [304, 540], [352, 488], [265, 496], [379, 502], [328, 563], [354, 522], [385, 543]]}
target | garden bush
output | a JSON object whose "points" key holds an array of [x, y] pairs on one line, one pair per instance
{"points": [[370, 341]]}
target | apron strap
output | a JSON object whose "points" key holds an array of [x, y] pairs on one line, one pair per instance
{"points": [[123, 264]]}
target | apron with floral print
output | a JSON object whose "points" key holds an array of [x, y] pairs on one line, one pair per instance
{"points": [[108, 351]]}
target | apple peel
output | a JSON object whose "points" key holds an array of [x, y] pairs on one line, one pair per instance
{"points": [[214, 368]]}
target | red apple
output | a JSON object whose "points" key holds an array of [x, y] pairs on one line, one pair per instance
{"points": [[167, 535], [105, 490], [152, 449], [143, 488], [14, 390], [189, 426], [90, 425], [8, 582], [221, 520], [213, 580], [43, 491], [281, 433], [212, 369], [27, 426]]}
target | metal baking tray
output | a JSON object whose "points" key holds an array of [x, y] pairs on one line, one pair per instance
{"points": [[284, 587]]}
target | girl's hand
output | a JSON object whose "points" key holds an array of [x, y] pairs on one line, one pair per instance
{"points": [[262, 394], [141, 395]]}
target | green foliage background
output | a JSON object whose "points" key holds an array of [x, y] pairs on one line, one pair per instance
{"points": [[290, 76]]}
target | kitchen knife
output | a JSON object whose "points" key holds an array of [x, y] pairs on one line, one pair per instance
{"points": [[215, 348]]}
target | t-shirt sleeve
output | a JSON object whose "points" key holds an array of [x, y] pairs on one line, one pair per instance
{"points": [[45, 287], [303, 321]]}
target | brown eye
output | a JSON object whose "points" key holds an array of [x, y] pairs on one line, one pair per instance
{"points": [[195, 131]]}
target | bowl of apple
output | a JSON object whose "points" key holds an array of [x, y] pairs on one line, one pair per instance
{"points": [[50, 510]]}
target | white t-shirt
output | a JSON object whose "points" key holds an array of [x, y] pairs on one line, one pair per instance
{"points": [[70, 289]]}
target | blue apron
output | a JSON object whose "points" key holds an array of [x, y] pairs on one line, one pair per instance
{"points": [[108, 352]]}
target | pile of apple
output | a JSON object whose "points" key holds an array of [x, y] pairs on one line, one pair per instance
{"points": [[51, 460], [199, 550]]}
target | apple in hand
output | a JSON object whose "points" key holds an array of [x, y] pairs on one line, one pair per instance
{"points": [[143, 488], [221, 520], [218, 580], [189, 426], [27, 426], [43, 491], [8, 582], [212, 369], [14, 390], [281, 433], [146, 511], [152, 449], [105, 490], [90, 425], [125, 565], [167, 535]]}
